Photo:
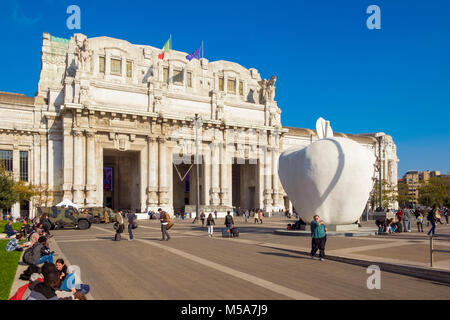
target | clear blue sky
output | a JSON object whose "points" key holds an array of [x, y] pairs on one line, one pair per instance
{"points": [[395, 80]]}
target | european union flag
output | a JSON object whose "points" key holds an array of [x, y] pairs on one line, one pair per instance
{"points": [[195, 54]]}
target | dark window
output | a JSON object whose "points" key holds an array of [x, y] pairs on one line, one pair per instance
{"points": [[24, 165], [6, 159]]}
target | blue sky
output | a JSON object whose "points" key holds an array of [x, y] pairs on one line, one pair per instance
{"points": [[327, 62]]}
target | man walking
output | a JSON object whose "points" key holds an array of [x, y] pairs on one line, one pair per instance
{"points": [[229, 222], [164, 222], [130, 217], [432, 219], [319, 237], [406, 220]]}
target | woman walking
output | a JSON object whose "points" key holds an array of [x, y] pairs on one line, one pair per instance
{"points": [[319, 237], [210, 224]]}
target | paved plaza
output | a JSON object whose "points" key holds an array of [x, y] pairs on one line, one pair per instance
{"points": [[257, 265]]}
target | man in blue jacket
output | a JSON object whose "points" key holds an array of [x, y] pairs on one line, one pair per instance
{"points": [[319, 237], [9, 230]]}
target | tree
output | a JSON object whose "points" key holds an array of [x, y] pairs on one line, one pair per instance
{"points": [[388, 194], [41, 195], [435, 191], [403, 196], [8, 194]]}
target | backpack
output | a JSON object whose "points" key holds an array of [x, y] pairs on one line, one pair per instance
{"points": [[28, 255], [430, 216]]}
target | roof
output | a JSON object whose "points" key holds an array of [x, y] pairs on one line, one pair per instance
{"points": [[16, 98]]}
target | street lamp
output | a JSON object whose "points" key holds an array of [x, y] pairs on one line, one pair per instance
{"points": [[379, 136], [197, 205]]}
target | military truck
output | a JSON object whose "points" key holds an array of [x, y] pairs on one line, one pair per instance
{"points": [[99, 214], [66, 217]]}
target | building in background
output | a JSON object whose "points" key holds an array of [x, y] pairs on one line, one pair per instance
{"points": [[414, 180], [113, 125]]}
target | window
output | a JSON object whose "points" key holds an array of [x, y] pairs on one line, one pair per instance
{"points": [[220, 83], [24, 165], [166, 75], [178, 77], [231, 86], [116, 66], [241, 88], [129, 69], [101, 64], [189, 79], [6, 159]]}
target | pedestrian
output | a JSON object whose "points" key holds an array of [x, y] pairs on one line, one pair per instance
{"points": [[445, 213], [210, 224], [318, 237], [246, 215], [419, 220], [256, 217], [163, 217], [130, 217], [119, 226], [229, 222], [437, 214], [215, 214], [202, 217], [106, 217], [406, 220], [260, 216], [432, 219]]}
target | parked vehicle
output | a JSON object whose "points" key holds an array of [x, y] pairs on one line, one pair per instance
{"points": [[66, 217], [99, 214]]}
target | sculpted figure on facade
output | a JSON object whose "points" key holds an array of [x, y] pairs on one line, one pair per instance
{"points": [[267, 90], [82, 53]]}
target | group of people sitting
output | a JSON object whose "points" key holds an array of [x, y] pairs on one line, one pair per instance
{"points": [[402, 221], [44, 277], [52, 282]]}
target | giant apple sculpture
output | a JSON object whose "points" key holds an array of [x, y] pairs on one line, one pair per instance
{"points": [[331, 177]]}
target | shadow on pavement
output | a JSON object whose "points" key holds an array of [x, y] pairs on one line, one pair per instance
{"points": [[283, 255]]}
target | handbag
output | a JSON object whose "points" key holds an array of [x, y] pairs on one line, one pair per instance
{"points": [[134, 225], [169, 225]]}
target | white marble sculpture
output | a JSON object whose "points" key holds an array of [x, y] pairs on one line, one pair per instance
{"points": [[331, 177]]}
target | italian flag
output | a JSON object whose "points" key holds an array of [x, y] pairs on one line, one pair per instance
{"points": [[165, 49]]}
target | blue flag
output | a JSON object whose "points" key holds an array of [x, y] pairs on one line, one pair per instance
{"points": [[194, 55]]}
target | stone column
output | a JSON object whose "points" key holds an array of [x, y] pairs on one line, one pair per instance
{"points": [[67, 165], [44, 160], [163, 186], [267, 193], [91, 186], [275, 155], [50, 169], [77, 167], [214, 190], [152, 190], [206, 176], [224, 190]]}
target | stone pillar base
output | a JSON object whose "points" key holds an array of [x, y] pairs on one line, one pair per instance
{"points": [[338, 227]]}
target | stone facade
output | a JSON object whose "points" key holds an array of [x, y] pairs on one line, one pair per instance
{"points": [[104, 102]]}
